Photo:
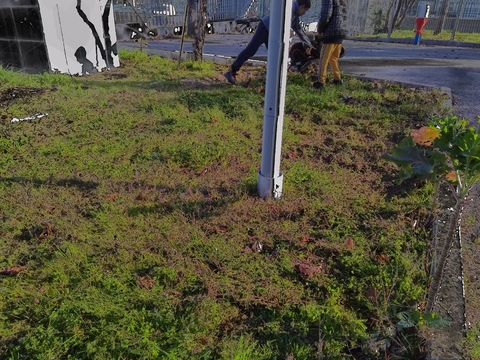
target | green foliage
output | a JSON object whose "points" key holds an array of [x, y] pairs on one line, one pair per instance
{"points": [[449, 151], [455, 148], [244, 348], [471, 341], [462, 144], [131, 228], [427, 34], [8, 76], [412, 318], [414, 161], [378, 22]]}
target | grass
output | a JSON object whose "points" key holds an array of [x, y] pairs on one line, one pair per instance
{"points": [[428, 34], [471, 342], [131, 228]]}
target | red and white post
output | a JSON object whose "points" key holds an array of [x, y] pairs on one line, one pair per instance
{"points": [[420, 21]]}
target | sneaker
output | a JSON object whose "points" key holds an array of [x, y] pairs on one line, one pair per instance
{"points": [[338, 82], [318, 85], [231, 77]]}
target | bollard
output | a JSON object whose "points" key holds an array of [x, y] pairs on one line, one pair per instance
{"points": [[420, 21]]}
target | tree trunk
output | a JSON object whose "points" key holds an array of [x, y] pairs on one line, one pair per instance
{"points": [[200, 31], [441, 17], [192, 17]]}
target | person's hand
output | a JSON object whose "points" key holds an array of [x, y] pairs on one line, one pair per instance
{"points": [[308, 50]]}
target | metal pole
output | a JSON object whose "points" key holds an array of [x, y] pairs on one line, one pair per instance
{"points": [[270, 178]]}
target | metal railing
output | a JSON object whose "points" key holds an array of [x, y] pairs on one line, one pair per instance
{"points": [[461, 21], [462, 15]]}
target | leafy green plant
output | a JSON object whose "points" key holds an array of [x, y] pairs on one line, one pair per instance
{"points": [[447, 149], [412, 318], [398, 338]]}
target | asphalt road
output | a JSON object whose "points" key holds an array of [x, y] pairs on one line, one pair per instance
{"points": [[453, 67]]}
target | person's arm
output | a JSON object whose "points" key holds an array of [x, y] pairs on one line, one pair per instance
{"points": [[325, 15], [296, 26]]}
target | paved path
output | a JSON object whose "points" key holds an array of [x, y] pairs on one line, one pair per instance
{"points": [[440, 66]]}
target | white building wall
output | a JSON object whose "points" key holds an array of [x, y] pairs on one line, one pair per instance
{"points": [[79, 40]]}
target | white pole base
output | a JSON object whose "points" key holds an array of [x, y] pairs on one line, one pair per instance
{"points": [[270, 187]]}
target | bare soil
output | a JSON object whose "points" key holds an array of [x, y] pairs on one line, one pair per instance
{"points": [[458, 297], [470, 235]]}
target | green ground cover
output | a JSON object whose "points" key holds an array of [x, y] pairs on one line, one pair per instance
{"points": [[428, 34], [130, 227]]}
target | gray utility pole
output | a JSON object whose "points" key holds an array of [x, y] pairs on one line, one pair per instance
{"points": [[270, 178]]}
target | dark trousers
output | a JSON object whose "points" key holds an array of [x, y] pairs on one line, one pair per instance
{"points": [[260, 37]]}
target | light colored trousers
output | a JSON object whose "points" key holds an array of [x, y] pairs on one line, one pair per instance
{"points": [[329, 54]]}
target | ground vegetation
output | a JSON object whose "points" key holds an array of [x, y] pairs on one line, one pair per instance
{"points": [[131, 227]]}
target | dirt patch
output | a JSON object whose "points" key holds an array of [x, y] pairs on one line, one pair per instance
{"points": [[445, 343], [115, 75], [459, 294], [470, 240], [16, 93]]}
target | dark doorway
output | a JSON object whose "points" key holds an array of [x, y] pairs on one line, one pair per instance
{"points": [[22, 42]]}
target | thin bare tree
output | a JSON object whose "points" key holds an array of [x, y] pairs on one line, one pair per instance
{"points": [[393, 17], [441, 17], [399, 13]]}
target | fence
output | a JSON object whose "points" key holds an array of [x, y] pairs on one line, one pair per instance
{"points": [[462, 15]]}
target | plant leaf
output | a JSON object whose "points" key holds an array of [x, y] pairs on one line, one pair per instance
{"points": [[451, 176], [412, 160], [425, 135]]}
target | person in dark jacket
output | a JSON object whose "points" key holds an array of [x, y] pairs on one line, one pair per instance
{"points": [[332, 30], [299, 8]]}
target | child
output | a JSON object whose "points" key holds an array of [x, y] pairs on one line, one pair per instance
{"points": [[299, 8], [332, 30]]}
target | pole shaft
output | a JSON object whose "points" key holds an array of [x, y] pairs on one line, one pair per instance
{"points": [[270, 177]]}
